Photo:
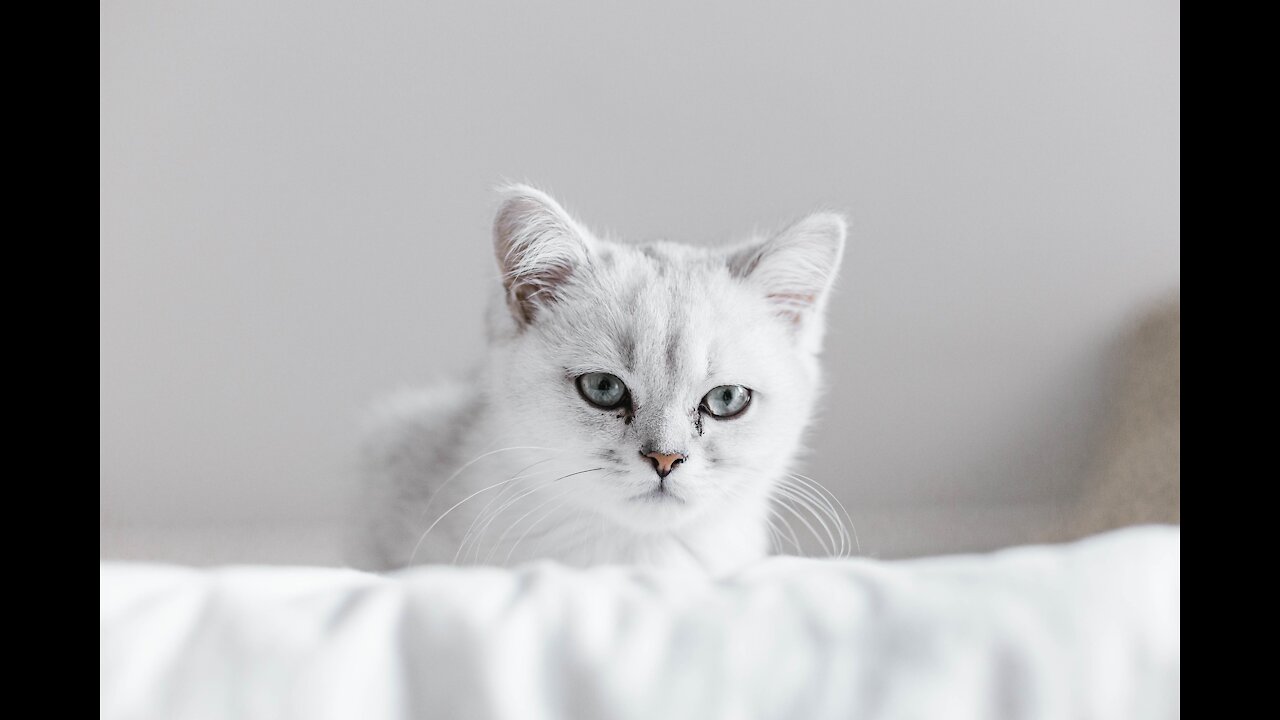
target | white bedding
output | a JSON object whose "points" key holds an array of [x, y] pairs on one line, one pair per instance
{"points": [[1088, 630]]}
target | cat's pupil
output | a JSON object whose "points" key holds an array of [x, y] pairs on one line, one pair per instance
{"points": [[726, 401], [602, 389]]}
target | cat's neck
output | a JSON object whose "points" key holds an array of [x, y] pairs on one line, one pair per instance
{"points": [[718, 545]]}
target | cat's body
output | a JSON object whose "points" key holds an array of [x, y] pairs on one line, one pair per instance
{"points": [[639, 404]]}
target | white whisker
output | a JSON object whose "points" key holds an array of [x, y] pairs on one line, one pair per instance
{"points": [[785, 490], [775, 542], [473, 461], [852, 528], [431, 527], [507, 504], [526, 532], [819, 508], [499, 497], [507, 559], [498, 543], [820, 497], [795, 541]]}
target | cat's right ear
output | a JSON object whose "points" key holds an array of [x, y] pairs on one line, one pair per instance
{"points": [[539, 247]]}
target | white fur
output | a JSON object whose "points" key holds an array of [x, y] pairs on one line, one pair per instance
{"points": [[514, 464]]}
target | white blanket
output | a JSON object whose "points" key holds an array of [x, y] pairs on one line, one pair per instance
{"points": [[1089, 630]]}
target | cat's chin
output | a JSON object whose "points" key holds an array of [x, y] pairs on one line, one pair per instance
{"points": [[660, 495], [654, 510]]}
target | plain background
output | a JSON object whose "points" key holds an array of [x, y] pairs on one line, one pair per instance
{"points": [[296, 197]]}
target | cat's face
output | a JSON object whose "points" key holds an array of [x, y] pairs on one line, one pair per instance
{"points": [[679, 379]]}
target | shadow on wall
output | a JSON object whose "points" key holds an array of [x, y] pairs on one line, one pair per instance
{"points": [[1136, 479]]}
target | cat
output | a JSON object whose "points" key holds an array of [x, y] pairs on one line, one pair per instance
{"points": [[639, 404]]}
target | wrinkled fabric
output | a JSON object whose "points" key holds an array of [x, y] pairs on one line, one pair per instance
{"points": [[1086, 630]]}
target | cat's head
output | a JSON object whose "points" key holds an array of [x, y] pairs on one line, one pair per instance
{"points": [[679, 378]]}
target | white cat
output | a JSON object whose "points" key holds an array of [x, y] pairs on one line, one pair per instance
{"points": [[638, 404]]}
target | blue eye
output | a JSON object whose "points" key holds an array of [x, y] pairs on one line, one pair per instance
{"points": [[727, 401], [602, 389]]}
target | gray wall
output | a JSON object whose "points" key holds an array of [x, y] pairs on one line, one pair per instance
{"points": [[295, 199]]}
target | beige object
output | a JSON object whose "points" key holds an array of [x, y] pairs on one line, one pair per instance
{"points": [[1137, 479]]}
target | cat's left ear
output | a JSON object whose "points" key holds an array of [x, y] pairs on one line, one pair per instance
{"points": [[795, 269]]}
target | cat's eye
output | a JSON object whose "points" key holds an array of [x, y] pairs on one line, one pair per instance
{"points": [[727, 401], [602, 389]]}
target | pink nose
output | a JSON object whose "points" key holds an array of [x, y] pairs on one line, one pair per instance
{"points": [[664, 463]]}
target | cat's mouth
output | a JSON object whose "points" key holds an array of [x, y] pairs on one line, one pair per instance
{"points": [[660, 494]]}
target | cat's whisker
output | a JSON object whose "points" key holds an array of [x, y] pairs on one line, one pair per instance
{"points": [[508, 503], [795, 503], [821, 496], [793, 499], [821, 510], [774, 541], [585, 531], [480, 516], [519, 495], [848, 518], [852, 527], [443, 515], [795, 541], [471, 462], [562, 477], [503, 493], [498, 543], [822, 500], [549, 513], [577, 538], [526, 532], [471, 541]]}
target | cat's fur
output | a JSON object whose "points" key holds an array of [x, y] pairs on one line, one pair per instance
{"points": [[514, 464]]}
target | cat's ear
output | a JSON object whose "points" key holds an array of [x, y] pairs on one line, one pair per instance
{"points": [[539, 247], [795, 270]]}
